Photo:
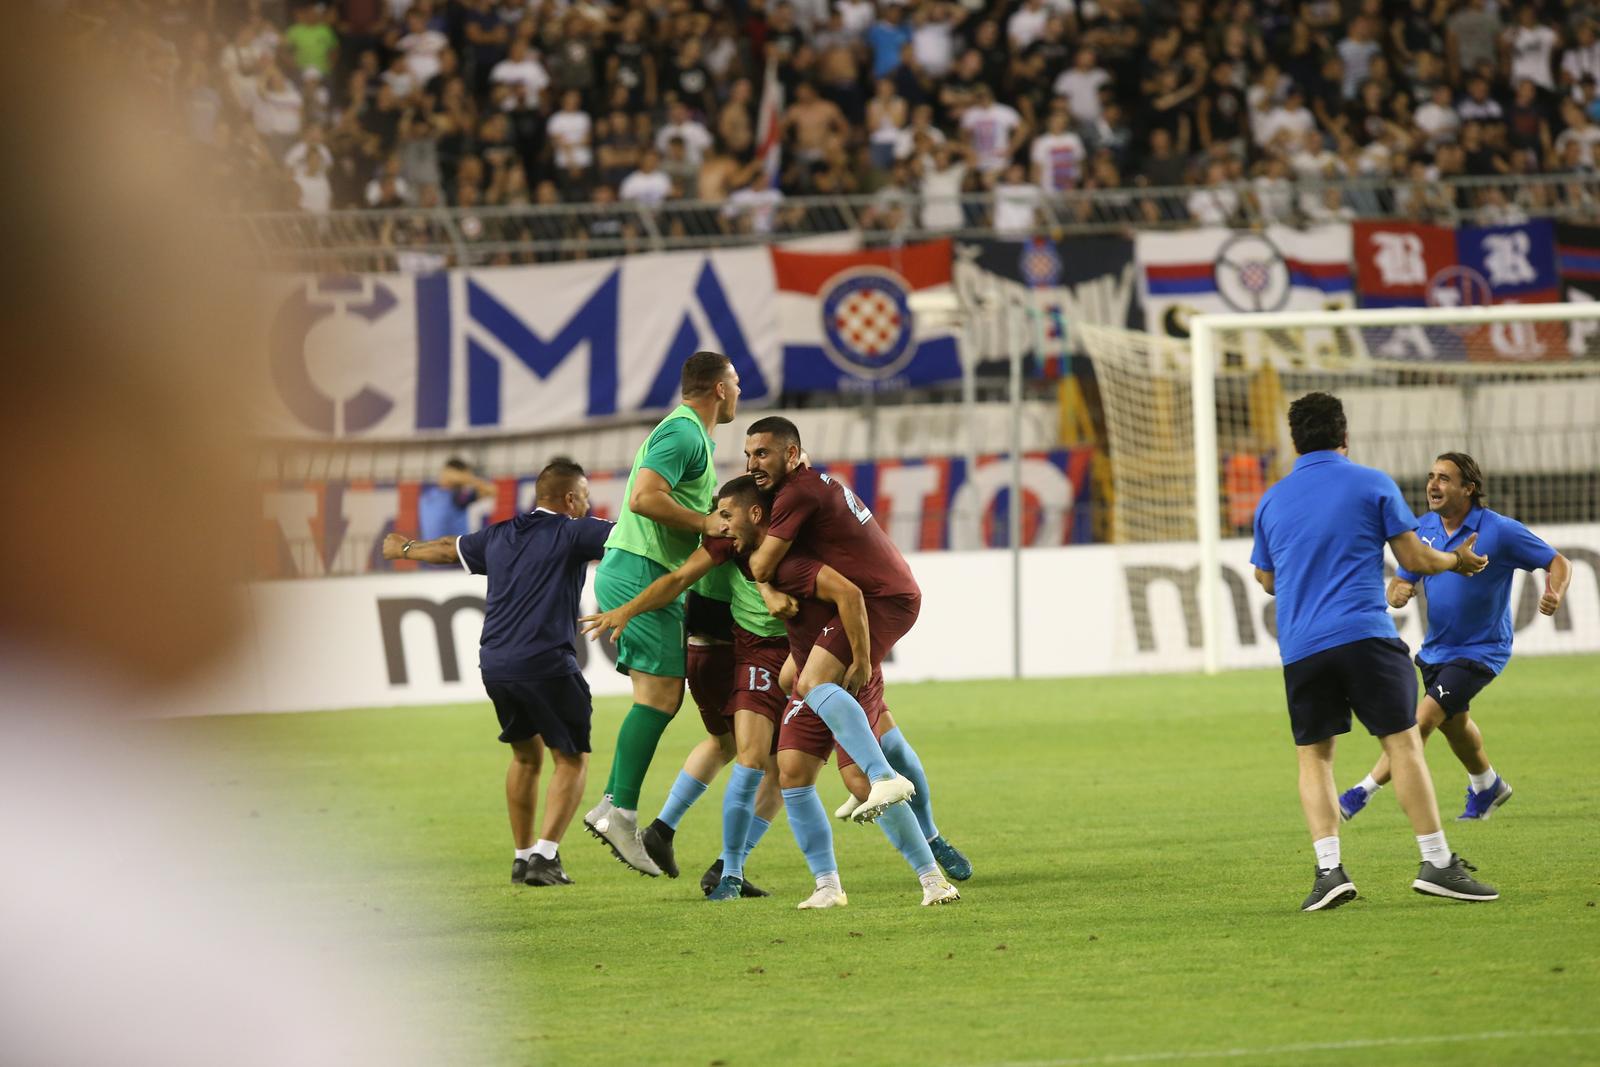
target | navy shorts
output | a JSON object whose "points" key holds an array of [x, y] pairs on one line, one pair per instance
{"points": [[1371, 677], [556, 709], [1452, 685]]}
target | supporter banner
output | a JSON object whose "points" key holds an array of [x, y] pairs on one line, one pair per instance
{"points": [[847, 323], [1215, 270], [329, 528], [382, 640], [1402, 264], [1085, 280], [1578, 259], [510, 350]]}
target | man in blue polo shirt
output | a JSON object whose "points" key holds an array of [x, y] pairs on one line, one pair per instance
{"points": [[1319, 537], [528, 653], [1469, 624]]}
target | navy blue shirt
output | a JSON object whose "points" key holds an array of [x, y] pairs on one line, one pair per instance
{"points": [[536, 564], [1470, 618], [1321, 532]]}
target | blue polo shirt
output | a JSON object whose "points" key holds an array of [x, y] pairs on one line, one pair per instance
{"points": [[1470, 618], [442, 512], [1321, 532], [536, 564]]}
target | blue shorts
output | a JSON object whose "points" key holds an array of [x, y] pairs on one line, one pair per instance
{"points": [[1371, 677], [1452, 685], [556, 709]]}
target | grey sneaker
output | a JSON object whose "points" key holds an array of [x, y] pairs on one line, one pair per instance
{"points": [[1453, 881], [547, 872], [598, 812], [1332, 888], [621, 835]]}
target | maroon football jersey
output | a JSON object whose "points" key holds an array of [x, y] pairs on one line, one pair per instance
{"points": [[823, 518]]}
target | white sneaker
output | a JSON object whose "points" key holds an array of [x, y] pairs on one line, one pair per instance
{"points": [[884, 795], [826, 896], [844, 810], [597, 814], [938, 891], [621, 834]]}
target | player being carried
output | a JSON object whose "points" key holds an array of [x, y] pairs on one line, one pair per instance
{"points": [[804, 742], [1469, 624], [823, 518]]}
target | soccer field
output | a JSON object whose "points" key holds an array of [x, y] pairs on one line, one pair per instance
{"points": [[1140, 857]]}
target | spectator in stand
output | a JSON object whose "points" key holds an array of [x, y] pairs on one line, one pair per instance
{"points": [[1529, 50], [1058, 155], [995, 131], [311, 41], [1582, 60], [1471, 36], [276, 111], [1221, 112], [887, 37], [1016, 203], [1478, 105], [1215, 203], [1286, 124], [648, 185], [421, 45], [519, 79], [942, 178], [886, 119], [316, 190], [1357, 51], [1081, 86], [312, 142], [1527, 130], [809, 122], [442, 506], [683, 126], [1437, 119], [571, 133], [1575, 145], [389, 189], [1026, 24]]}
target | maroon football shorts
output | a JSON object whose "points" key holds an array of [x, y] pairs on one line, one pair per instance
{"points": [[803, 731], [710, 670], [757, 663], [888, 620]]}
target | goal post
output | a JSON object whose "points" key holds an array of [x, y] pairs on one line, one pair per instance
{"points": [[1196, 427]]}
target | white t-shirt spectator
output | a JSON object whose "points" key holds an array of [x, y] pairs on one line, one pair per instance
{"points": [[1580, 63], [1016, 208], [933, 47], [277, 111], [1357, 56], [905, 144], [760, 206], [422, 52], [1472, 110], [651, 188], [570, 133], [1437, 122], [1532, 49], [941, 197], [1026, 26], [297, 155], [1213, 207], [1081, 90], [696, 139], [316, 192], [1587, 136], [856, 15], [1057, 160], [990, 129], [374, 191], [1297, 121], [529, 74]]}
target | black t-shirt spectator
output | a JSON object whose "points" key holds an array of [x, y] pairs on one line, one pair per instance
{"points": [[692, 83], [1226, 112], [1480, 162], [1363, 124], [1522, 126], [631, 70]]}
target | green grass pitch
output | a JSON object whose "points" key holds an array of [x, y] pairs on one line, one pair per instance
{"points": [[1140, 860]]}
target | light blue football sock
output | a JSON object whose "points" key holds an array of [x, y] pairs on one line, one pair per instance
{"points": [[811, 830], [903, 758], [685, 791], [843, 716], [738, 808], [900, 827], [758, 830]]}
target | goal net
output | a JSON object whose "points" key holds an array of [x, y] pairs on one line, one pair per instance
{"points": [[1197, 429]]}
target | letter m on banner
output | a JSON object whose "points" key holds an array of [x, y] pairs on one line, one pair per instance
{"points": [[594, 326]]}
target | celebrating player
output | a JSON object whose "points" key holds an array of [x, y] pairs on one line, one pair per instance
{"points": [[665, 510], [1319, 537], [1469, 624], [536, 565]]}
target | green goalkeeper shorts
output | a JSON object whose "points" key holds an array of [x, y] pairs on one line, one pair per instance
{"points": [[653, 642]]}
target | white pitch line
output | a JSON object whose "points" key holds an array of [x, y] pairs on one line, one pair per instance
{"points": [[1308, 1046]]}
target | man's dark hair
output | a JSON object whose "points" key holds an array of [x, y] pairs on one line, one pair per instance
{"points": [[701, 373], [557, 479], [1469, 472], [1316, 422], [785, 431], [456, 463], [744, 492]]}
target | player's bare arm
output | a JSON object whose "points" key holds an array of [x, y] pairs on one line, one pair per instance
{"points": [[439, 550], [779, 605], [1266, 580], [658, 594], [1557, 577], [1400, 592], [765, 559], [652, 499], [1418, 558], [845, 595]]}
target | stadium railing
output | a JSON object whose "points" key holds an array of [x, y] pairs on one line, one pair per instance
{"points": [[421, 238]]}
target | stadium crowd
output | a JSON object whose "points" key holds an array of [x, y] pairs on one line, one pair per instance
{"points": [[419, 103]]}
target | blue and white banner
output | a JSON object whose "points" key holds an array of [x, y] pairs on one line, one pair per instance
{"points": [[386, 357]]}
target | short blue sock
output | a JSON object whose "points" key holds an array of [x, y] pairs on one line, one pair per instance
{"points": [[811, 830], [758, 830], [903, 758], [844, 717], [685, 791], [900, 827], [738, 808]]}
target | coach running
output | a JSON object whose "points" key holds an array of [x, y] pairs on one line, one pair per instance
{"points": [[528, 652]]}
